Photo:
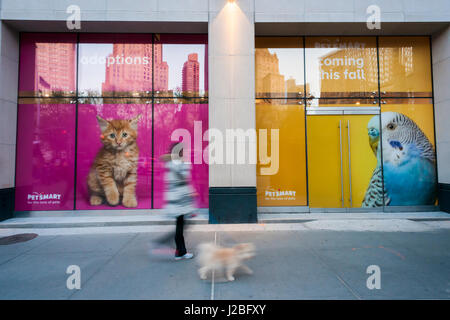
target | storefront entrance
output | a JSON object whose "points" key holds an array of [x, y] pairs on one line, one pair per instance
{"points": [[354, 121], [341, 156]]}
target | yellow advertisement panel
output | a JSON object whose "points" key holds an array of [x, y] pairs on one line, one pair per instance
{"points": [[341, 67], [281, 167], [279, 70], [405, 67]]}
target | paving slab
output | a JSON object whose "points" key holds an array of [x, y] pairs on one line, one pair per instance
{"points": [[284, 268], [11, 251], [88, 243], [44, 276], [134, 273], [404, 273]]}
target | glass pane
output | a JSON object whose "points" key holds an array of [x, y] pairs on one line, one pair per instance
{"points": [[109, 163], [279, 69], [405, 67], [281, 167], [181, 65], [341, 67], [409, 160], [190, 119], [115, 65], [45, 165], [47, 65]]}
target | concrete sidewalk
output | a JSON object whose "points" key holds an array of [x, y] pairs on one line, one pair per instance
{"points": [[139, 219], [314, 259]]}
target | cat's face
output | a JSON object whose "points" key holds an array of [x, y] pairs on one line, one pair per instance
{"points": [[118, 134]]}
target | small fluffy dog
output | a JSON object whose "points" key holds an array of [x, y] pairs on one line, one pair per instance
{"points": [[213, 257]]}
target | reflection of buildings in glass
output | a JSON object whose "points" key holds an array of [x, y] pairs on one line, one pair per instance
{"points": [[397, 66], [129, 69], [191, 75], [55, 67], [348, 72], [161, 70], [293, 87], [268, 79]]}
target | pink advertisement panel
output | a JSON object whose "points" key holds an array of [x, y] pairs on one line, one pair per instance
{"points": [[111, 172], [45, 166], [190, 121], [47, 64]]}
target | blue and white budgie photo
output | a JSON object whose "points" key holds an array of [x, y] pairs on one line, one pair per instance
{"points": [[409, 164]]}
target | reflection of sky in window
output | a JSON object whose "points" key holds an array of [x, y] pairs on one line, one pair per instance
{"points": [[176, 55], [290, 63], [92, 75]]}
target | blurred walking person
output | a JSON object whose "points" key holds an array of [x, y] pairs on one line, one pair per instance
{"points": [[179, 197]]}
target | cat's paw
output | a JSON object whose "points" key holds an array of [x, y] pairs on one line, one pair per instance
{"points": [[113, 198], [129, 202], [95, 200], [230, 278]]}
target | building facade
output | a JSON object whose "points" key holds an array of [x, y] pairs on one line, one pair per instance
{"points": [[298, 106]]}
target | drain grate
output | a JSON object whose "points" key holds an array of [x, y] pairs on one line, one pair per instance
{"points": [[21, 237]]}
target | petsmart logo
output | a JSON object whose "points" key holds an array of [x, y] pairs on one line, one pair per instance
{"points": [[278, 193], [36, 196]]}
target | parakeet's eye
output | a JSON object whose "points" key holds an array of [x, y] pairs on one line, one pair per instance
{"points": [[112, 135], [391, 126]]}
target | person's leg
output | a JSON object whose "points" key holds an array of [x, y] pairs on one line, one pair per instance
{"points": [[179, 238]]}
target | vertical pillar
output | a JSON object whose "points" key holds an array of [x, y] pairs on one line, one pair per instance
{"points": [[9, 61], [232, 183], [441, 70]]}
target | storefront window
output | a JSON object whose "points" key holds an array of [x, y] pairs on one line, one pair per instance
{"points": [[115, 65], [279, 69], [183, 120], [47, 65], [367, 148], [338, 67], [68, 147], [45, 154], [405, 67], [181, 65]]}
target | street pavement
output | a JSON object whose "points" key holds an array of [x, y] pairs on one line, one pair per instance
{"points": [[321, 259]]}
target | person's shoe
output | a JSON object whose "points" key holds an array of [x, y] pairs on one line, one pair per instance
{"points": [[185, 256]]}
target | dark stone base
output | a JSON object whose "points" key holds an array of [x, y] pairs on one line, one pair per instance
{"points": [[232, 205], [444, 197], [6, 203]]}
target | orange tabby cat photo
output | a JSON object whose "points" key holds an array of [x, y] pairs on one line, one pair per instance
{"points": [[113, 174]]}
